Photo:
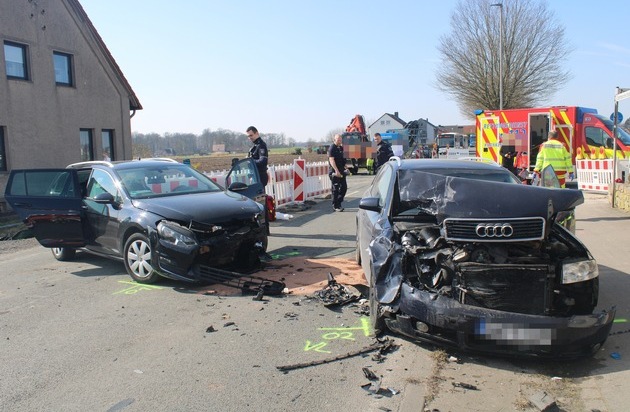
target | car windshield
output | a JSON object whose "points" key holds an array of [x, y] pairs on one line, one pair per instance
{"points": [[143, 182], [418, 188]]}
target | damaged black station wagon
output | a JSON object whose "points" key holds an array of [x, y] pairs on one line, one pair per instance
{"points": [[459, 253], [160, 217]]}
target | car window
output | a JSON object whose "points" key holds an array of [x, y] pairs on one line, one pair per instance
{"points": [[243, 172], [101, 182], [49, 183], [164, 180], [382, 184], [595, 136]]}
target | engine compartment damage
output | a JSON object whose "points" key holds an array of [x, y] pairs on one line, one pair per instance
{"points": [[486, 266]]}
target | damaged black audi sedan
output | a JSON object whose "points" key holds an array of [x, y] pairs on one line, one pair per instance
{"points": [[160, 217], [459, 253]]}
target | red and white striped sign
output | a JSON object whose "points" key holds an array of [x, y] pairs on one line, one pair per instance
{"points": [[299, 175]]}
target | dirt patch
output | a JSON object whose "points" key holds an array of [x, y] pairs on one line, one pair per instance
{"points": [[302, 276]]}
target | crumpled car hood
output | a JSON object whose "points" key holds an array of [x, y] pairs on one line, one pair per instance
{"points": [[213, 207], [453, 197]]}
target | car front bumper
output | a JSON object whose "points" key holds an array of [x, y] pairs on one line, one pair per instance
{"points": [[430, 317], [183, 262]]}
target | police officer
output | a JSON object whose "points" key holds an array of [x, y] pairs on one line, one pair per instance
{"points": [[258, 153], [383, 151], [554, 153], [337, 172]]}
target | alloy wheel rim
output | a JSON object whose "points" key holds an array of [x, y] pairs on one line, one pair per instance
{"points": [[139, 259]]}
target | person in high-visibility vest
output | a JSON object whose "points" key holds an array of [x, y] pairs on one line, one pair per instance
{"points": [[554, 153]]}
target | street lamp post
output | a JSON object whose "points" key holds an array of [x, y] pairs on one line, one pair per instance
{"points": [[500, 6]]}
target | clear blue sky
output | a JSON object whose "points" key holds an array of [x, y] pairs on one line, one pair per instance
{"points": [[306, 67]]}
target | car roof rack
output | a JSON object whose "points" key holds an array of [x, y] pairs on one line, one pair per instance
{"points": [[89, 163], [157, 159], [478, 159]]}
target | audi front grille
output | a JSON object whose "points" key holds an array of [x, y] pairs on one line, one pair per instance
{"points": [[495, 230]]}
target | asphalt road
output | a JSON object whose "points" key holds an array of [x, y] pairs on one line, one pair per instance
{"points": [[77, 336]]}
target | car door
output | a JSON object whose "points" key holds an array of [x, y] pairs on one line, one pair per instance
{"points": [[372, 223], [103, 217], [49, 201], [244, 178]]}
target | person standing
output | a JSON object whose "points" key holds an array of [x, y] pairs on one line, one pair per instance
{"points": [[337, 172], [383, 151], [553, 153], [259, 154]]}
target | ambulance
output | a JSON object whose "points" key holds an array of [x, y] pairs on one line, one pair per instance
{"points": [[584, 132]]}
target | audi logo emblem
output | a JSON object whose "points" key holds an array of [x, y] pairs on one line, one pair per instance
{"points": [[494, 230]]}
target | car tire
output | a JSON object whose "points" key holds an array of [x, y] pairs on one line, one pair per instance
{"points": [[357, 252], [377, 323], [63, 253], [137, 258]]}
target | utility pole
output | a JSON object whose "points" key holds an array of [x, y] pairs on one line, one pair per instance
{"points": [[500, 6]]}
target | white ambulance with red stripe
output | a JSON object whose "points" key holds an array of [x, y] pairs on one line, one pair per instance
{"points": [[584, 132]]}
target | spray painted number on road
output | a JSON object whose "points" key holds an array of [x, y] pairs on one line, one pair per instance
{"points": [[134, 288], [334, 334]]}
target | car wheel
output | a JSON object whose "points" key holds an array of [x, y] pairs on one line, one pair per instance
{"points": [[376, 317], [265, 242], [63, 253], [137, 256]]}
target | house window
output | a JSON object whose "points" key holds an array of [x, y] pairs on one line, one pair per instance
{"points": [[3, 152], [107, 139], [63, 68], [15, 60], [87, 146]]}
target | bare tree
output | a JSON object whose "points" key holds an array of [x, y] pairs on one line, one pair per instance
{"points": [[534, 49]]}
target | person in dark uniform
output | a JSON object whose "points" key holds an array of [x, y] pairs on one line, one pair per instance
{"points": [[508, 155], [337, 172], [383, 151], [258, 153]]}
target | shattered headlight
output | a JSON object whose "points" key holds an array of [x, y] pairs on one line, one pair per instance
{"points": [[573, 272], [176, 234]]}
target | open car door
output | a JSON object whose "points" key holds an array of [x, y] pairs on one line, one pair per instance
{"points": [[244, 179], [49, 202]]}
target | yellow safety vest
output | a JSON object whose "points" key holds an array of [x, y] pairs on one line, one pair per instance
{"points": [[553, 153]]}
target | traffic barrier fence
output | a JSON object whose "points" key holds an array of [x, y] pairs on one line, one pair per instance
{"points": [[282, 185], [594, 175]]}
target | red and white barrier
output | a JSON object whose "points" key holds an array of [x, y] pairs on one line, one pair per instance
{"points": [[280, 184], [299, 174], [594, 175], [171, 185], [283, 185]]}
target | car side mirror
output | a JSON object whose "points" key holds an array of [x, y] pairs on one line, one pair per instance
{"points": [[609, 142], [104, 198], [370, 203], [236, 186]]}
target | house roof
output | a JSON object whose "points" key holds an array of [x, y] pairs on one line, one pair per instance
{"points": [[134, 103], [398, 119], [393, 116]]}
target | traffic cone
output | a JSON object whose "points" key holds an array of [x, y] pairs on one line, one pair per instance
{"points": [[578, 154], [602, 153]]}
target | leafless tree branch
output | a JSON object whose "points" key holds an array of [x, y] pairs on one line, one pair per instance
{"points": [[534, 51]]}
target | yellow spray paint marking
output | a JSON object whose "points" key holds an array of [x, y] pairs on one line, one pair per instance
{"points": [[278, 256], [318, 347], [135, 288], [341, 333], [365, 327], [620, 320]]}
